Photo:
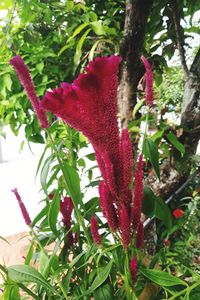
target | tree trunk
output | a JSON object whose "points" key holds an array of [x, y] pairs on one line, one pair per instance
{"points": [[136, 16]]}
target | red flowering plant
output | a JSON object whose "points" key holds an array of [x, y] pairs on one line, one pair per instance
{"points": [[107, 238]]}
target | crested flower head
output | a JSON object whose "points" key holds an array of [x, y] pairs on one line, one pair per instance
{"points": [[23, 209], [149, 82], [27, 82], [89, 104]]}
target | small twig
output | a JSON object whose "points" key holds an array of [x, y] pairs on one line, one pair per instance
{"points": [[179, 37], [149, 220]]}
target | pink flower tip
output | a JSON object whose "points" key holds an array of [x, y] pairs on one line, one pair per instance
{"points": [[23, 209], [25, 78], [149, 82], [95, 230]]}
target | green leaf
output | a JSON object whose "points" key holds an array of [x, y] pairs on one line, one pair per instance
{"points": [[41, 214], [103, 273], [175, 142], [79, 46], [149, 202], [162, 278], [7, 81], [137, 107], [44, 173], [24, 273], [98, 28], [73, 182], [11, 292], [104, 292], [150, 151], [163, 212], [157, 135], [43, 264], [53, 213], [29, 254], [76, 32]]}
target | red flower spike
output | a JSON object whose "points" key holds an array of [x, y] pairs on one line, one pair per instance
{"points": [[66, 208], [166, 242], [124, 223], [178, 213], [133, 268], [23, 209], [108, 209], [127, 159], [140, 236], [149, 82], [27, 82], [94, 230], [137, 194]]}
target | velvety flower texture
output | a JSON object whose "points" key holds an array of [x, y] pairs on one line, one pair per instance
{"points": [[95, 230], [149, 82], [66, 209], [133, 268], [27, 82], [89, 105], [23, 209]]}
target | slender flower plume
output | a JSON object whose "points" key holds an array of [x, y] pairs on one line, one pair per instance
{"points": [[133, 268], [149, 82], [124, 223], [137, 194], [107, 206], [24, 211], [27, 82], [127, 159], [66, 209], [95, 230]]}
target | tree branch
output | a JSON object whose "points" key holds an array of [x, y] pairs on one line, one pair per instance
{"points": [[179, 36]]}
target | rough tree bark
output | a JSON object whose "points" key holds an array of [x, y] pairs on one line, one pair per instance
{"points": [[136, 16]]}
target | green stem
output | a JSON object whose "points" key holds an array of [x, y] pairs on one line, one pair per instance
{"points": [[62, 289], [78, 215], [188, 289], [146, 128]]}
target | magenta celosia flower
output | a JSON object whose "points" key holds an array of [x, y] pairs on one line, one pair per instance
{"points": [[137, 193], [23, 209], [27, 82], [149, 82], [124, 224], [133, 268], [89, 104], [127, 159], [66, 209], [95, 230], [140, 236], [107, 206]]}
